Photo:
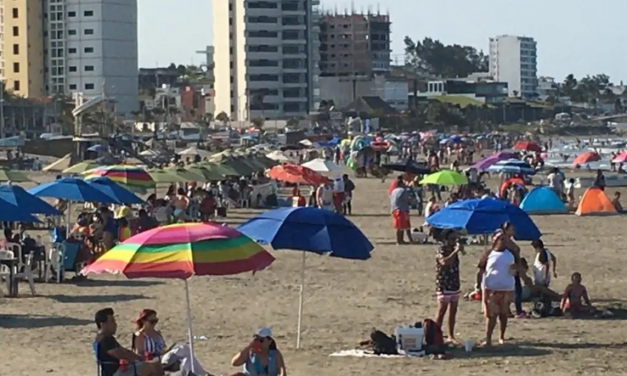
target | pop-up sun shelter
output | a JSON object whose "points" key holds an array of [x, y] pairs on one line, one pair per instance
{"points": [[595, 202], [543, 200]]}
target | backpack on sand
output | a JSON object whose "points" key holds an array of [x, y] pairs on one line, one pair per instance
{"points": [[382, 344], [434, 339]]}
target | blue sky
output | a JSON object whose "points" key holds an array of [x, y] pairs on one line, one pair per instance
{"points": [[575, 36]]}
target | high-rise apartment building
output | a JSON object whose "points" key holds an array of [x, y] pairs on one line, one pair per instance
{"points": [[92, 48], [71, 46], [22, 47], [266, 58], [354, 44], [513, 60]]}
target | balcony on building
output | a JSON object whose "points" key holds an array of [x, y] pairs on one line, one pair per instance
{"points": [[486, 91]]}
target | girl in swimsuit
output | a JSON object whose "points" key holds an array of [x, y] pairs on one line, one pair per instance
{"points": [[573, 295], [180, 204]]}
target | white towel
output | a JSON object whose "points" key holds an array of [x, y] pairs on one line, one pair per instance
{"points": [[183, 354], [367, 354]]}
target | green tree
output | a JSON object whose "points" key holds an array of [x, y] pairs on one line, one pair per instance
{"points": [[432, 57]]}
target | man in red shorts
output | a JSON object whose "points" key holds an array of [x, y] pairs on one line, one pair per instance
{"points": [[399, 205]]}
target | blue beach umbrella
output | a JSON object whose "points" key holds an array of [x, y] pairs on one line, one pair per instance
{"points": [[512, 166], [308, 229], [71, 189], [18, 196], [485, 216], [9, 213], [115, 191]]}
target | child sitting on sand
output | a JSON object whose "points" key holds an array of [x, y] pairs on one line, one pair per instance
{"points": [[573, 296]]}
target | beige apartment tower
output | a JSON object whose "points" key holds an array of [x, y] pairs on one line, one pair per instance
{"points": [[23, 47]]}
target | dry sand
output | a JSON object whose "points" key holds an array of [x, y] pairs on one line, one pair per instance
{"points": [[52, 333]]}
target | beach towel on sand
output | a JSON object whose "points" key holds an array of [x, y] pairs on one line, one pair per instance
{"points": [[366, 354]]}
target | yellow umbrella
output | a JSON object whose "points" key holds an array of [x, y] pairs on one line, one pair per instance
{"points": [[163, 176], [81, 167]]}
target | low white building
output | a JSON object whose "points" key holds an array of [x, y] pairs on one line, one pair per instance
{"points": [[344, 90]]}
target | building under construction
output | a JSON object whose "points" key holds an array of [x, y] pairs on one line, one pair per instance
{"points": [[354, 44]]}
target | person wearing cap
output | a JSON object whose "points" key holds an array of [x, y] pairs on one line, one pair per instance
{"points": [[261, 357]]}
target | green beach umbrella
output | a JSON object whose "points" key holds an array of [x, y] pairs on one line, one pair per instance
{"points": [[445, 177], [206, 173], [185, 174], [13, 175], [161, 176], [81, 167]]}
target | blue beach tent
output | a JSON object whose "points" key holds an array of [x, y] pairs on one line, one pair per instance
{"points": [[543, 200]]}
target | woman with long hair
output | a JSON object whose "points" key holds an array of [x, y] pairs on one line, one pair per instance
{"points": [[147, 340], [261, 357]]}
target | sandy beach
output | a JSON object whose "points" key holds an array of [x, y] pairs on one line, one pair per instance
{"points": [[51, 334]]}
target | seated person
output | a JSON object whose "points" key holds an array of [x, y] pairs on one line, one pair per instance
{"points": [[573, 296], [124, 229], [81, 228], [260, 357], [531, 290], [113, 359], [617, 204]]}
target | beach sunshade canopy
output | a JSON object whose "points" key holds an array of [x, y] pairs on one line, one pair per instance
{"points": [[322, 165], [543, 200], [279, 156], [81, 167], [408, 166], [445, 177], [620, 158], [115, 191], [586, 157], [163, 176], [513, 166], [595, 202], [24, 201], [71, 189], [193, 151], [309, 229], [203, 171], [185, 174], [493, 159], [528, 146], [485, 216], [182, 251], [15, 176], [130, 176], [220, 168]]}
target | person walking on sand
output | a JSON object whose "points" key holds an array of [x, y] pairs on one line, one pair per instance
{"points": [[399, 205]]}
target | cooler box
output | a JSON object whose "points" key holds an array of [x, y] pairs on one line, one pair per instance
{"points": [[409, 340]]}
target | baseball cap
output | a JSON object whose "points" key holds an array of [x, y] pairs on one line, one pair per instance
{"points": [[264, 333]]}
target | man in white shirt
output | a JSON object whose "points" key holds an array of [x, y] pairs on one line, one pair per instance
{"points": [[556, 181]]}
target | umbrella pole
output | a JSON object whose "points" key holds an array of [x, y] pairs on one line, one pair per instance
{"points": [[190, 333], [300, 300]]}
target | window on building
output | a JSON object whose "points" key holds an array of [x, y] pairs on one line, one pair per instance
{"points": [[71, 32], [71, 14], [72, 86], [16, 31], [72, 69], [89, 68], [89, 31], [89, 86], [71, 50], [16, 49], [16, 85], [16, 67], [16, 13], [88, 50], [88, 13]]}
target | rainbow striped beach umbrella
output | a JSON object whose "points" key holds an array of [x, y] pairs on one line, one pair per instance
{"points": [[182, 251], [130, 176]]}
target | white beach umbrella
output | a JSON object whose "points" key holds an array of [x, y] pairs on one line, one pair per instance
{"points": [[279, 156], [192, 151], [322, 165]]}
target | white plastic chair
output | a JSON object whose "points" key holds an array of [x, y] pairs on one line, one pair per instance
{"points": [[24, 265], [5, 271], [54, 259]]}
